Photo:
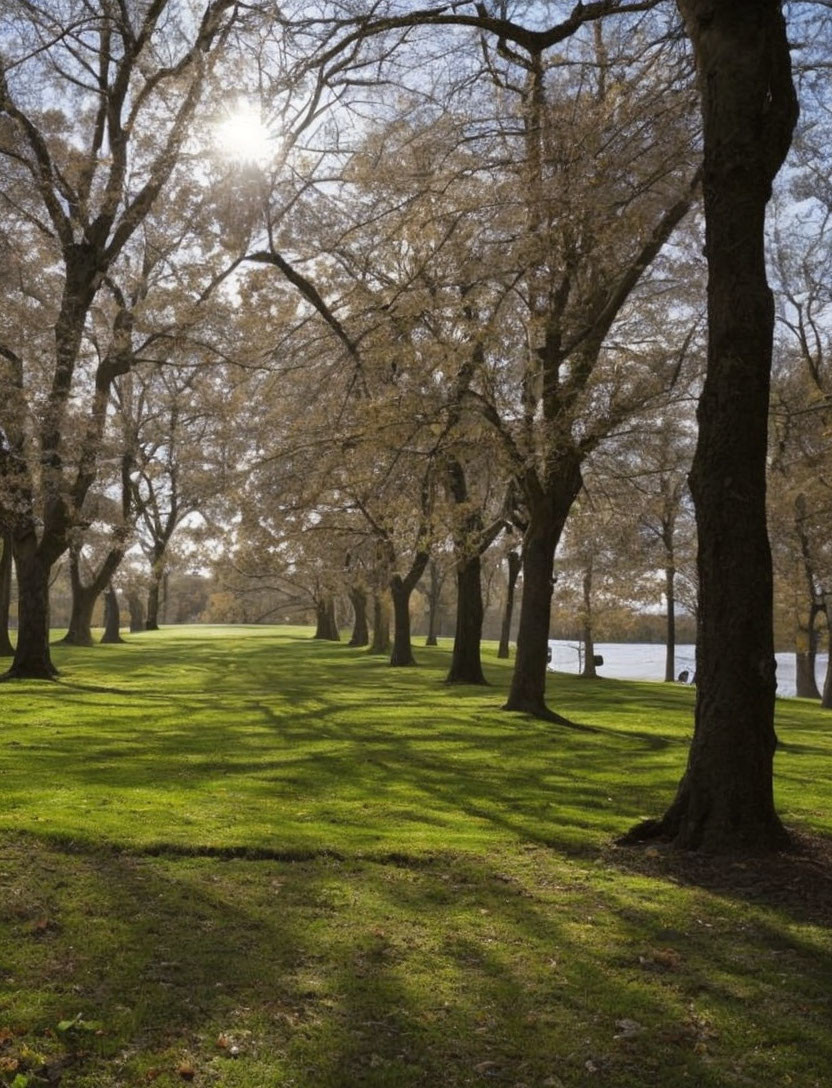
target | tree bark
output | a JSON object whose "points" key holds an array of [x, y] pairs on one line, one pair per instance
{"points": [[360, 629], [806, 683], [153, 593], [402, 653], [547, 517], [381, 625], [466, 661], [400, 590], [79, 632], [85, 596], [514, 566], [327, 626], [112, 617], [807, 633], [6, 648], [32, 660], [135, 606], [437, 580], [725, 799]]}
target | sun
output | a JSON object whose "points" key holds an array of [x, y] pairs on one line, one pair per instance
{"points": [[242, 136]]}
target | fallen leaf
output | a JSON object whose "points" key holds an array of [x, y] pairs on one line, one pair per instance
{"points": [[186, 1071]]}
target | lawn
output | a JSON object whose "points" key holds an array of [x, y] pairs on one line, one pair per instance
{"points": [[239, 857]]}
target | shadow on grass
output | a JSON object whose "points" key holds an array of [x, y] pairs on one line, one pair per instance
{"points": [[329, 973]]}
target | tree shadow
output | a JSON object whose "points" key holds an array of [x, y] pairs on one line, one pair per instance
{"points": [[328, 972]]}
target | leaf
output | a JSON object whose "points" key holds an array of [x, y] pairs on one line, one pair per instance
{"points": [[186, 1071], [78, 1023]]}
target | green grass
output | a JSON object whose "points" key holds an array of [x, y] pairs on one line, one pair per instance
{"points": [[244, 858]]}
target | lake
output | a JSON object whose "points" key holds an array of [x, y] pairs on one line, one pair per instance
{"points": [[645, 661]]}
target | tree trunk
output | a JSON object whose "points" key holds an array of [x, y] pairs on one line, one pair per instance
{"points": [[84, 597], [6, 648], [402, 653], [466, 663], [381, 625], [112, 617], [135, 606], [806, 683], [153, 591], [670, 645], [360, 629], [514, 565], [547, 517], [79, 632], [437, 579], [588, 672], [725, 799], [327, 627], [32, 659], [528, 683]]}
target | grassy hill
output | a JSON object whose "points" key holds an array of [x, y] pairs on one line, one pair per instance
{"points": [[239, 857]]}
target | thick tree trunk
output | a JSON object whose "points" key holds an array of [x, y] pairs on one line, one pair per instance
{"points": [[806, 683], [84, 597], [79, 632], [32, 660], [514, 565], [381, 625], [360, 629], [327, 626], [588, 672], [466, 663], [112, 617], [6, 648], [528, 682], [135, 606], [725, 800], [402, 652]]}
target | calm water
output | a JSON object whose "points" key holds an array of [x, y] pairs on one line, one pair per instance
{"points": [[645, 661]]}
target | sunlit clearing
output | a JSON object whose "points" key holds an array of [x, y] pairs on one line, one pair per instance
{"points": [[242, 135]]}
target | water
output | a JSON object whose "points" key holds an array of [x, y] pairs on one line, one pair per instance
{"points": [[645, 661]]}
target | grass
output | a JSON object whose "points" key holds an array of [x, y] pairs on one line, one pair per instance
{"points": [[238, 857]]}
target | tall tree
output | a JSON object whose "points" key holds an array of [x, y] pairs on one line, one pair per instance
{"points": [[96, 99], [749, 107]]}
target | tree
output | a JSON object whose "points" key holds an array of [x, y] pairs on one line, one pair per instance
{"points": [[574, 386], [725, 799], [112, 616], [97, 149], [515, 565]]}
